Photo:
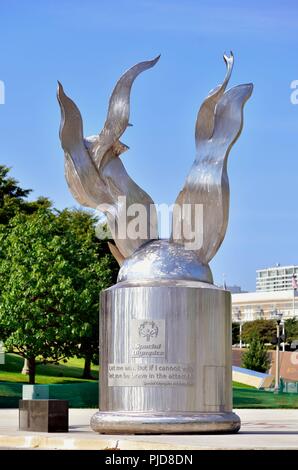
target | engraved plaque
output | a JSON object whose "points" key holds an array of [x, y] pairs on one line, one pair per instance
{"points": [[142, 375], [147, 338]]}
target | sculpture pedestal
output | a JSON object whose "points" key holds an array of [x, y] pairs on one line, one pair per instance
{"points": [[165, 359]]}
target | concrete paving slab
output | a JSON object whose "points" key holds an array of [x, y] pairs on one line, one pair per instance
{"points": [[261, 429]]}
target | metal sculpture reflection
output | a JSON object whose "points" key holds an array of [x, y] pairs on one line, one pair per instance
{"points": [[97, 178]]}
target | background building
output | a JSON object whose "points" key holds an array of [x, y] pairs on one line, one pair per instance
{"points": [[278, 278], [251, 306], [233, 289], [276, 290]]}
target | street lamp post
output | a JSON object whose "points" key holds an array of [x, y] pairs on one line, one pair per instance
{"points": [[283, 336], [239, 320], [277, 316]]}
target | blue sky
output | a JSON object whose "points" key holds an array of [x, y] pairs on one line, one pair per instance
{"points": [[87, 46]]}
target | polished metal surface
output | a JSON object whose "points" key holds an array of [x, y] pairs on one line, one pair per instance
{"points": [[219, 124], [162, 259], [165, 330], [97, 177], [164, 423], [191, 378], [94, 172]]}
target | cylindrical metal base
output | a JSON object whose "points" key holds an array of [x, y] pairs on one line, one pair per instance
{"points": [[164, 423], [165, 359]]}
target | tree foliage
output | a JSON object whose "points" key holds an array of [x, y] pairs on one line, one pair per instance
{"points": [[235, 333], [52, 269], [264, 330], [256, 357], [13, 197], [99, 276], [291, 329]]}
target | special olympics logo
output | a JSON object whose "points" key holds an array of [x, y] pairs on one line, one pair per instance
{"points": [[148, 330]]}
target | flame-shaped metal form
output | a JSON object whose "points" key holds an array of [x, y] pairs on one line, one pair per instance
{"points": [[94, 172], [97, 178], [219, 124]]}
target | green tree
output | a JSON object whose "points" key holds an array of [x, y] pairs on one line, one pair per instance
{"points": [[291, 329], [264, 330], [256, 357], [102, 274], [52, 269], [13, 197], [235, 333]]}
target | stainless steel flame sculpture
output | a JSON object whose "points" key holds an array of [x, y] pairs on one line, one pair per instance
{"points": [[94, 172], [175, 377]]}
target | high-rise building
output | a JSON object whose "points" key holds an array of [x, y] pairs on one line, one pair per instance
{"points": [[277, 278], [276, 291]]}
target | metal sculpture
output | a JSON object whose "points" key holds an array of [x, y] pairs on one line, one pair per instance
{"points": [[97, 178], [164, 313]]}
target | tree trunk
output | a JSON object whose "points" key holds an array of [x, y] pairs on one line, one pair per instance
{"points": [[25, 369], [31, 362], [87, 369]]}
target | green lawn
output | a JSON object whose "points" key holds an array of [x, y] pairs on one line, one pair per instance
{"points": [[253, 398], [70, 372], [68, 384], [239, 385]]}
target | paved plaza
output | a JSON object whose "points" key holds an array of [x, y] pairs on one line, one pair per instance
{"points": [[261, 429]]}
